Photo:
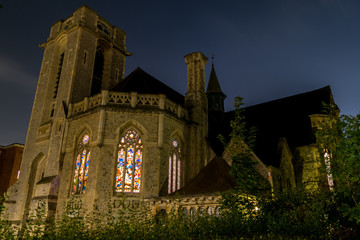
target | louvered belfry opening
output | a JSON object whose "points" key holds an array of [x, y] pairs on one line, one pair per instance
{"points": [[58, 75], [98, 71]]}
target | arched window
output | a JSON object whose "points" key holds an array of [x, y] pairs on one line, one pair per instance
{"points": [[192, 213], [210, 211], [81, 165], [218, 211], [174, 181], [185, 212], [129, 161]]}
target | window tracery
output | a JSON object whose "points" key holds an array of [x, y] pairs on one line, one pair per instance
{"points": [[81, 166], [129, 162], [174, 177]]}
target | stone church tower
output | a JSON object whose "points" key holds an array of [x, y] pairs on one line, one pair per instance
{"points": [[95, 135]]}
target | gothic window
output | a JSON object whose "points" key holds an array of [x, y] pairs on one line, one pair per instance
{"points": [[98, 71], [129, 161], [192, 213], [327, 158], [58, 75], [81, 166], [210, 211], [217, 211], [40, 170], [174, 177], [185, 212]]}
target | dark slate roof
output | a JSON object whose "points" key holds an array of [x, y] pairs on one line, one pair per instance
{"points": [[213, 85], [141, 82], [214, 177], [286, 117]]}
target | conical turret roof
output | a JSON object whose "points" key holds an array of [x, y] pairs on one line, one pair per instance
{"points": [[213, 85]]}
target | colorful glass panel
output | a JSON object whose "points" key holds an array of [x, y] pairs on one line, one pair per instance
{"points": [[175, 143], [169, 177], [81, 172], [86, 171], [178, 173], [174, 177], [174, 173], [129, 169], [76, 174], [86, 139], [137, 172], [81, 166], [129, 162], [120, 170]]}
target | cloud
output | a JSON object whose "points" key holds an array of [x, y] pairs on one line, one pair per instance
{"points": [[14, 73]]}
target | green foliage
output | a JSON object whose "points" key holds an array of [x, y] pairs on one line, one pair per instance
{"points": [[126, 222], [241, 133], [249, 183], [341, 138], [6, 231], [242, 140], [296, 213]]}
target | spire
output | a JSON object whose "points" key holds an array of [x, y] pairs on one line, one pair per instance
{"points": [[214, 93], [213, 85]]}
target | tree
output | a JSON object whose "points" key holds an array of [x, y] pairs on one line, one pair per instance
{"points": [[249, 184], [339, 140]]}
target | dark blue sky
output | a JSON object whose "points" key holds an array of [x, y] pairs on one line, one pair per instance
{"points": [[264, 50]]}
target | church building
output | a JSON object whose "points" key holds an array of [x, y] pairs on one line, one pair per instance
{"points": [[97, 136]]}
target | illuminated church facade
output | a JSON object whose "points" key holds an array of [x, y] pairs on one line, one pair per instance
{"points": [[95, 136]]}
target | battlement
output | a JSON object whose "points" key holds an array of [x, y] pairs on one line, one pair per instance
{"points": [[87, 19]]}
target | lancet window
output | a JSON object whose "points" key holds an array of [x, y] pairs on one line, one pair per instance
{"points": [[174, 178], [129, 162], [81, 165], [327, 158]]}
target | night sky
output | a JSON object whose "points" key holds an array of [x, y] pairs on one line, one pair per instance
{"points": [[263, 50]]}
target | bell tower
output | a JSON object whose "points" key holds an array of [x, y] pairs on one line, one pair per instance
{"points": [[83, 55]]}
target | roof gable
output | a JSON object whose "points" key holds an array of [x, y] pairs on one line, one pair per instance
{"points": [[141, 82], [214, 177]]}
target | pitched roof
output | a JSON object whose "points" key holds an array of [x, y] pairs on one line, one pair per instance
{"points": [[214, 177], [213, 85], [141, 82], [286, 117]]}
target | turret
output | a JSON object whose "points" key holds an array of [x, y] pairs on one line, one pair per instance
{"points": [[214, 94], [196, 102]]}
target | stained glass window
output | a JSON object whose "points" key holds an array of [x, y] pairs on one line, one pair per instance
{"points": [[129, 161], [81, 166], [174, 177]]}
